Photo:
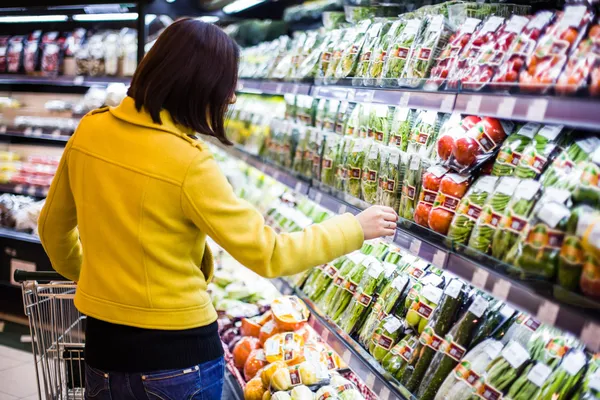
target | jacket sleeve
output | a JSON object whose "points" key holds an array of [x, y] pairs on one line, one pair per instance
{"points": [[57, 224], [209, 201]]}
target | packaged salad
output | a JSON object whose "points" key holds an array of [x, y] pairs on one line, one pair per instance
{"points": [[344, 112], [565, 378], [364, 118], [587, 189], [322, 109], [380, 52], [511, 151], [400, 127], [540, 152], [370, 173], [390, 179], [350, 55], [410, 192], [424, 133], [430, 185], [310, 65], [371, 40], [452, 189], [399, 52], [379, 123], [330, 155], [356, 160], [550, 56], [335, 37], [331, 115], [339, 280], [339, 165], [347, 38]]}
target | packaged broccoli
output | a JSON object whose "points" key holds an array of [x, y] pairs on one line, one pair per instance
{"points": [[424, 133], [491, 214], [330, 155], [372, 37], [331, 115], [390, 178], [540, 152], [516, 217], [380, 51], [427, 50], [561, 172], [401, 126], [370, 173], [430, 185], [379, 123], [469, 209], [350, 55], [410, 186], [399, 52], [511, 151]]}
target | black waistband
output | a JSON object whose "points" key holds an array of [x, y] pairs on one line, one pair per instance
{"points": [[120, 348]]}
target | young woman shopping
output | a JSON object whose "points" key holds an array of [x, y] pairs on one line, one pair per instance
{"points": [[128, 213]]}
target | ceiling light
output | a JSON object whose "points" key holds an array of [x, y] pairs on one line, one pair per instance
{"points": [[106, 17], [150, 18], [35, 18], [170, 1], [211, 19], [240, 5]]}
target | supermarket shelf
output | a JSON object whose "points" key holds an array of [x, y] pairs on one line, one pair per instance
{"points": [[272, 88], [360, 362], [40, 138], [565, 310], [20, 251], [29, 190], [22, 236], [64, 81]]}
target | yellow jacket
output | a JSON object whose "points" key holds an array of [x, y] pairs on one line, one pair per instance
{"points": [[128, 213]]}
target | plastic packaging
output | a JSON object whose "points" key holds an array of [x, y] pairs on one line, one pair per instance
{"points": [[452, 189], [400, 51], [429, 189]]}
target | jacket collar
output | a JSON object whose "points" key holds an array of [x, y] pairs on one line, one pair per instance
{"points": [[126, 111]]}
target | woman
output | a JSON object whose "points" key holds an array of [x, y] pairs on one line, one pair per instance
{"points": [[128, 213]]}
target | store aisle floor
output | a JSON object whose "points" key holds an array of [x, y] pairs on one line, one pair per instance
{"points": [[17, 375]]}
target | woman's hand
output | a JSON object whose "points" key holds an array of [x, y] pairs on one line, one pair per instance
{"points": [[377, 221]]}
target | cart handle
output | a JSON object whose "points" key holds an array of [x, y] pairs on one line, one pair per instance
{"points": [[41, 276]]}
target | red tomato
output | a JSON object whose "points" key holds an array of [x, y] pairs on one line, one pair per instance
{"points": [[421, 216], [470, 121], [445, 144], [465, 151], [494, 129], [451, 188], [439, 220], [431, 182]]}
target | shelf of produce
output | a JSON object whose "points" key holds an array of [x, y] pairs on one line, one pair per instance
{"points": [[272, 87], [29, 190], [40, 138], [550, 304], [360, 362]]}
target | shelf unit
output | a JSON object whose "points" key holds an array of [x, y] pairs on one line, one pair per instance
{"points": [[546, 302]]}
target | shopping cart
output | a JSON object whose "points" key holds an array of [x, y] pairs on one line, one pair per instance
{"points": [[57, 333]]}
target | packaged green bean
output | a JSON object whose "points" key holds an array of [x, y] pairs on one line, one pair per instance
{"points": [[424, 133], [401, 126], [469, 209], [379, 123], [327, 54], [356, 159], [511, 151], [390, 178], [347, 65], [370, 173], [322, 110], [491, 214], [540, 152], [399, 52], [380, 51], [516, 217], [330, 155], [368, 47], [329, 121]]}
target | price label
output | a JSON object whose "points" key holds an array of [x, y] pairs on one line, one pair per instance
{"points": [[590, 335], [78, 80], [295, 89], [404, 99], [347, 356], [506, 107], [275, 174], [415, 246], [501, 289], [240, 85], [342, 209], [480, 277], [473, 105], [31, 191], [279, 88], [351, 94], [447, 104], [18, 189], [318, 197], [539, 373], [384, 394], [439, 258], [537, 109], [548, 312], [298, 187]]}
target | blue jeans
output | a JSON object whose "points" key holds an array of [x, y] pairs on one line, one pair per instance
{"points": [[201, 382]]}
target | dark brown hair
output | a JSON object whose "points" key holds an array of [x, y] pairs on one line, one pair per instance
{"points": [[191, 71]]}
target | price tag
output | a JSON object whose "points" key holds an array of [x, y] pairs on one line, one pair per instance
{"points": [[384, 394], [478, 306], [37, 132], [18, 189], [404, 99], [351, 94], [480, 277], [78, 80], [279, 88], [318, 197], [573, 362], [439, 259], [295, 89], [347, 356], [31, 191], [590, 335], [366, 96], [275, 174], [539, 373], [447, 104], [415, 246], [342, 209], [506, 107], [370, 380], [548, 312], [298, 186], [473, 105], [453, 289], [515, 354], [537, 109], [501, 289]]}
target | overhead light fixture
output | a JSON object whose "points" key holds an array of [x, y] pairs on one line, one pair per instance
{"points": [[240, 5], [106, 17], [34, 18], [170, 1], [211, 19], [150, 18]]}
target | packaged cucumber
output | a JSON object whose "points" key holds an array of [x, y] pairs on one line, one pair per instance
{"points": [[388, 191], [590, 387], [522, 330], [349, 288], [370, 171], [371, 40], [410, 185], [491, 214], [515, 218], [469, 209], [437, 327], [401, 126], [339, 280], [424, 133], [497, 316], [453, 349], [402, 354], [511, 151], [350, 55], [540, 152], [536, 253], [388, 332], [380, 52], [331, 115], [400, 51], [460, 383], [356, 159], [379, 123], [570, 158], [427, 50], [330, 155], [563, 381]]}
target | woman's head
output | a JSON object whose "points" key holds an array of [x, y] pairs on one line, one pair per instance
{"points": [[191, 71]]}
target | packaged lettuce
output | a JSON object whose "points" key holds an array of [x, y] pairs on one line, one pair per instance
{"points": [[381, 50], [370, 173], [379, 123], [516, 217], [322, 109], [364, 118], [511, 151], [469, 209], [427, 50], [330, 155], [401, 126], [349, 61], [410, 186], [347, 38], [390, 178], [424, 133], [491, 214], [540, 152], [339, 280], [399, 52], [356, 159], [331, 115], [327, 54], [310, 65], [372, 37]]}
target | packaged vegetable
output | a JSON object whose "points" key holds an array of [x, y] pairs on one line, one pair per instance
{"points": [[379, 123], [540, 152], [400, 127], [562, 382], [380, 53], [371, 40], [285, 347], [344, 112], [454, 128], [590, 387], [350, 56], [515, 218], [479, 144], [268, 371], [562, 173], [370, 171], [424, 133], [390, 178], [309, 67], [422, 307], [399, 52], [340, 280], [348, 36], [331, 115], [289, 313], [452, 189], [387, 333], [512, 150], [550, 56], [586, 181], [402, 354], [469, 209], [327, 54], [322, 109], [496, 321], [280, 395], [242, 350], [364, 120], [340, 165], [254, 390], [256, 360], [349, 289], [429, 189], [330, 155], [581, 63], [326, 392], [522, 330], [572, 254], [590, 276], [410, 193]]}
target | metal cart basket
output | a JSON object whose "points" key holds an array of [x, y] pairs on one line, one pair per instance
{"points": [[57, 333]]}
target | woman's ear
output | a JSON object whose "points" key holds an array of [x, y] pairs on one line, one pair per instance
{"points": [[233, 99]]}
